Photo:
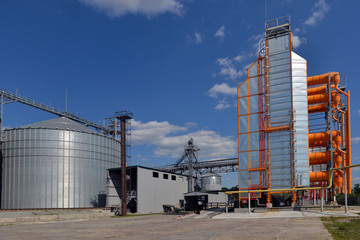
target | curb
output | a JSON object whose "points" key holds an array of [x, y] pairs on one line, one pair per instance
{"points": [[53, 218]]}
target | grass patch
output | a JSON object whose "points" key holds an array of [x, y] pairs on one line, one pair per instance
{"points": [[51, 214], [6, 224], [342, 227]]}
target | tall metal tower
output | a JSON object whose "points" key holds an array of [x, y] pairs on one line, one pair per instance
{"points": [[190, 157]]}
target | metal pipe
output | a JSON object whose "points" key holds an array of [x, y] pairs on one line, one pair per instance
{"points": [[318, 90], [123, 168], [317, 158], [248, 203], [322, 136], [317, 108], [321, 79], [322, 200], [226, 204], [345, 192], [318, 176], [296, 189], [348, 142], [258, 203]]}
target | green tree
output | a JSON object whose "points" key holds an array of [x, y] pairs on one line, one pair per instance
{"points": [[356, 189]]}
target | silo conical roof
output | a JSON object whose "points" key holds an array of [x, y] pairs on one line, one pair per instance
{"points": [[60, 123]]}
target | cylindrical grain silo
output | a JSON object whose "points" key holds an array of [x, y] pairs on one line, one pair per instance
{"points": [[211, 182], [56, 164]]}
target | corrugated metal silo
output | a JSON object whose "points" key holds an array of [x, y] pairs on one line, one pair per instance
{"points": [[56, 164]]}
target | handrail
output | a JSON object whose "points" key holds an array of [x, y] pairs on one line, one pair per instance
{"points": [[295, 189], [24, 100]]}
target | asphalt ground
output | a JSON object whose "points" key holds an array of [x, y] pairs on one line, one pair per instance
{"points": [[207, 225]]}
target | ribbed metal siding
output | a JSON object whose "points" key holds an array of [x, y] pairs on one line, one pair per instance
{"points": [[301, 122], [49, 168], [280, 107]]}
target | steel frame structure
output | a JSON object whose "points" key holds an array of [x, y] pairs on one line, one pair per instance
{"points": [[9, 97], [203, 167]]}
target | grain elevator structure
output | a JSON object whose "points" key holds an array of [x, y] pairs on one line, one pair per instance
{"points": [[292, 129]]}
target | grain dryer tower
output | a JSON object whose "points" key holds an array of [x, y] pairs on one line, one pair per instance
{"points": [[291, 130]]}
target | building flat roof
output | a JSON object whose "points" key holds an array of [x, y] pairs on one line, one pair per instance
{"points": [[149, 168]]}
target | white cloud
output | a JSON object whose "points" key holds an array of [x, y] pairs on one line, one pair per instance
{"points": [[318, 13], [222, 88], [227, 67], [220, 33], [257, 37], [297, 30], [355, 140], [223, 104], [143, 132], [239, 58], [161, 135], [117, 8], [297, 41], [190, 124], [198, 38]]}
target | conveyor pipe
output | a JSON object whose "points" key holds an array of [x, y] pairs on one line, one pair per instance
{"points": [[317, 158], [318, 176], [318, 90], [322, 136], [321, 79], [317, 108]]}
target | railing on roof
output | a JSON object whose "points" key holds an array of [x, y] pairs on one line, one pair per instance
{"points": [[27, 101]]}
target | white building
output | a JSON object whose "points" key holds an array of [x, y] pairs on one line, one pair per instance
{"points": [[148, 189]]}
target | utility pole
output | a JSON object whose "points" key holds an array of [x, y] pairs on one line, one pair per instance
{"points": [[123, 116]]}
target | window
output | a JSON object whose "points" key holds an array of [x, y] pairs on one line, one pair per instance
{"points": [[155, 174], [173, 177], [181, 179], [166, 176]]}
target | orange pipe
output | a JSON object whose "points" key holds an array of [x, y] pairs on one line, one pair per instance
{"points": [[319, 176], [343, 130], [317, 108], [336, 80], [319, 158], [322, 136], [321, 79], [318, 90], [334, 118], [319, 144], [348, 143], [322, 98], [318, 98]]}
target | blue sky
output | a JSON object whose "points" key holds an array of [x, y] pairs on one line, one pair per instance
{"points": [[174, 63]]}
